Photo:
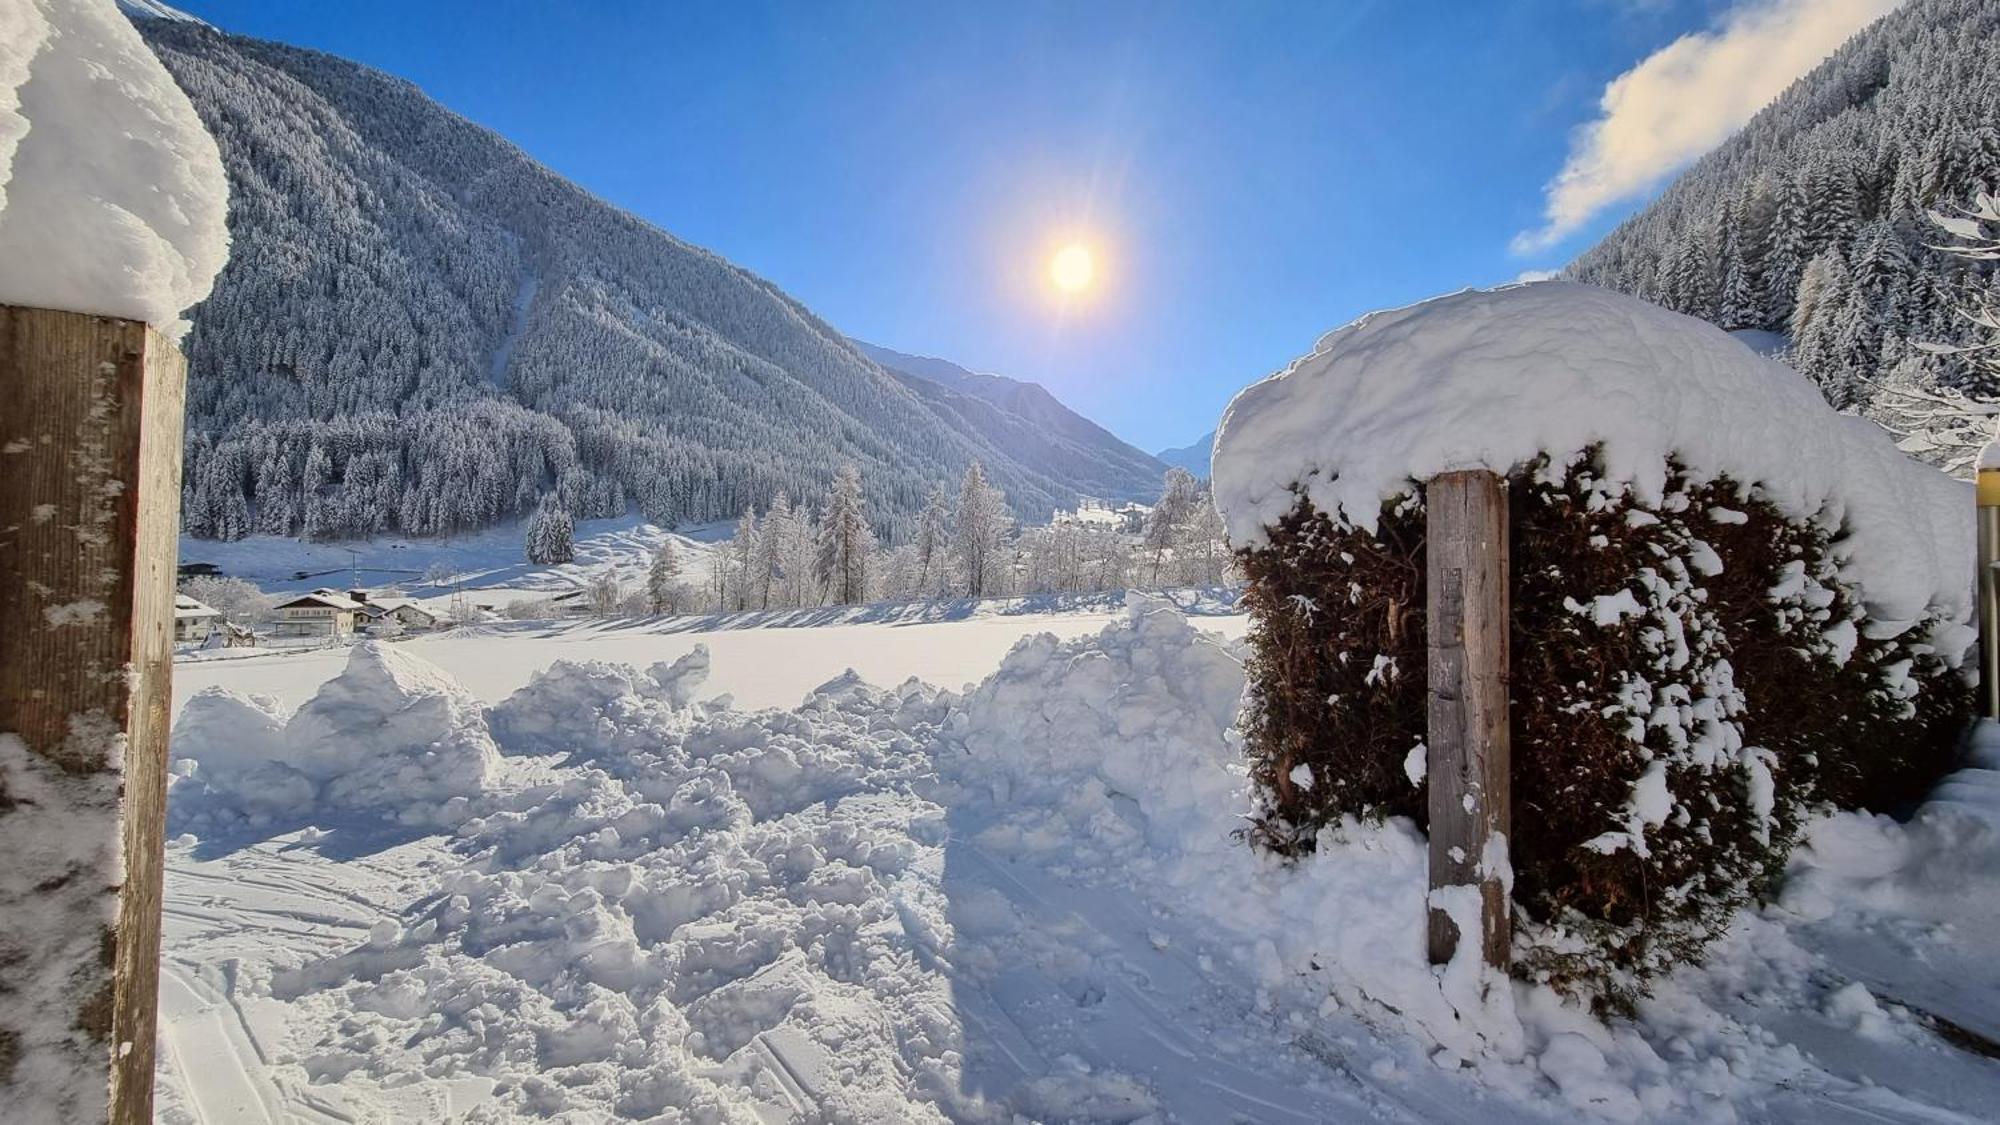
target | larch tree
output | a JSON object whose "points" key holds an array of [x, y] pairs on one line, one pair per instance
{"points": [[933, 542], [1179, 493], [663, 579], [982, 524], [846, 542]]}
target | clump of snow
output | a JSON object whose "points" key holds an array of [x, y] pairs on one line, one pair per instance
{"points": [[392, 738], [113, 198], [1493, 378]]}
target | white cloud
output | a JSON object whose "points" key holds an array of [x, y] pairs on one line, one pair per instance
{"points": [[1685, 98]]}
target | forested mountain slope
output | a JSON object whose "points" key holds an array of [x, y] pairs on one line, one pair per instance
{"points": [[1194, 457], [1813, 220], [1030, 424], [421, 329]]}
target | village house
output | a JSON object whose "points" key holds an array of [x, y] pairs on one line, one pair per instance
{"points": [[322, 613], [193, 621], [404, 612]]}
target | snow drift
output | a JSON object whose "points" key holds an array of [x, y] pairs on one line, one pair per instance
{"points": [[1029, 903], [1493, 378], [392, 738], [113, 199]]}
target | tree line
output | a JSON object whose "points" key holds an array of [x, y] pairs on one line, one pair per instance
{"points": [[963, 544]]}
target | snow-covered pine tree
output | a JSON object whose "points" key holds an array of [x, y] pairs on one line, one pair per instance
{"points": [[846, 543], [1975, 237], [551, 535]]}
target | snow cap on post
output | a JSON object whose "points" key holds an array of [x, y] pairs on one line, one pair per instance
{"points": [[1989, 472], [113, 199], [1494, 378]]}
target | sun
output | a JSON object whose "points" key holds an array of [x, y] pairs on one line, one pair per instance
{"points": [[1073, 268]]}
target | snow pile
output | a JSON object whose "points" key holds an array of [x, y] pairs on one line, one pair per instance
{"points": [[392, 738], [715, 892], [112, 194], [1027, 903], [1122, 739], [1492, 378], [1117, 756]]}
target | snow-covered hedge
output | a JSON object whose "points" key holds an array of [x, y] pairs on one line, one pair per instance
{"points": [[1729, 603]]}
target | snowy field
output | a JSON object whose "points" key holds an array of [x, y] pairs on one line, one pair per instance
{"points": [[487, 564], [603, 893]]}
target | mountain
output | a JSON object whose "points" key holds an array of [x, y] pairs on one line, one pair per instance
{"points": [[1194, 458], [422, 330], [1029, 423], [1813, 221]]}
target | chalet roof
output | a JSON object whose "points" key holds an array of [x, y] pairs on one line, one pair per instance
{"points": [[185, 606], [380, 607], [318, 597]]}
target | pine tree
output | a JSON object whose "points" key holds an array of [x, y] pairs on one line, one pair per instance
{"points": [[1975, 234], [551, 535]]}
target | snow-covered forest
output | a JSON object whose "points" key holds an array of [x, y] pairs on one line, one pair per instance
{"points": [[964, 543], [422, 330], [1815, 221]]}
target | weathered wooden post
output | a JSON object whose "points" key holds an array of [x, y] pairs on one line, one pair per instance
{"points": [[90, 455], [1466, 581]]}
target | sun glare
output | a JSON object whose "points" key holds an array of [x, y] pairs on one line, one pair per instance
{"points": [[1073, 269]]}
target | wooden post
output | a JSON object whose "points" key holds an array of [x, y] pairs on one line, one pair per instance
{"points": [[90, 456], [1466, 580]]}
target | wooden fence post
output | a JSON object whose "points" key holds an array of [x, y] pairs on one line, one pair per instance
{"points": [[90, 465], [1466, 596]]}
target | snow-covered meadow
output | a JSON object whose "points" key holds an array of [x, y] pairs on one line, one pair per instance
{"points": [[885, 901]]}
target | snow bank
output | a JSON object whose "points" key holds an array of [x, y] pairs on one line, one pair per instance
{"points": [[391, 738], [113, 198], [1492, 378], [1027, 903]]}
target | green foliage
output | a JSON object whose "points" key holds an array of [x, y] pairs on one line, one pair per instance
{"points": [[1704, 649]]}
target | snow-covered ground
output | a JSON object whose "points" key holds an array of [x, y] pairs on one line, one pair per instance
{"points": [[489, 565], [761, 659], [1022, 902]]}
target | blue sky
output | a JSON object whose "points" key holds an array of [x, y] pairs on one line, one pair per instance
{"points": [[1249, 174]]}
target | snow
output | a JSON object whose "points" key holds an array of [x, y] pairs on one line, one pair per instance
{"points": [[391, 738], [112, 194], [57, 863], [1989, 454], [763, 659], [488, 565], [1493, 378], [1024, 902]]}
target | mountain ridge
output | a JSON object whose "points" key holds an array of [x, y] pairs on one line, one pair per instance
{"points": [[422, 329], [1054, 433]]}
